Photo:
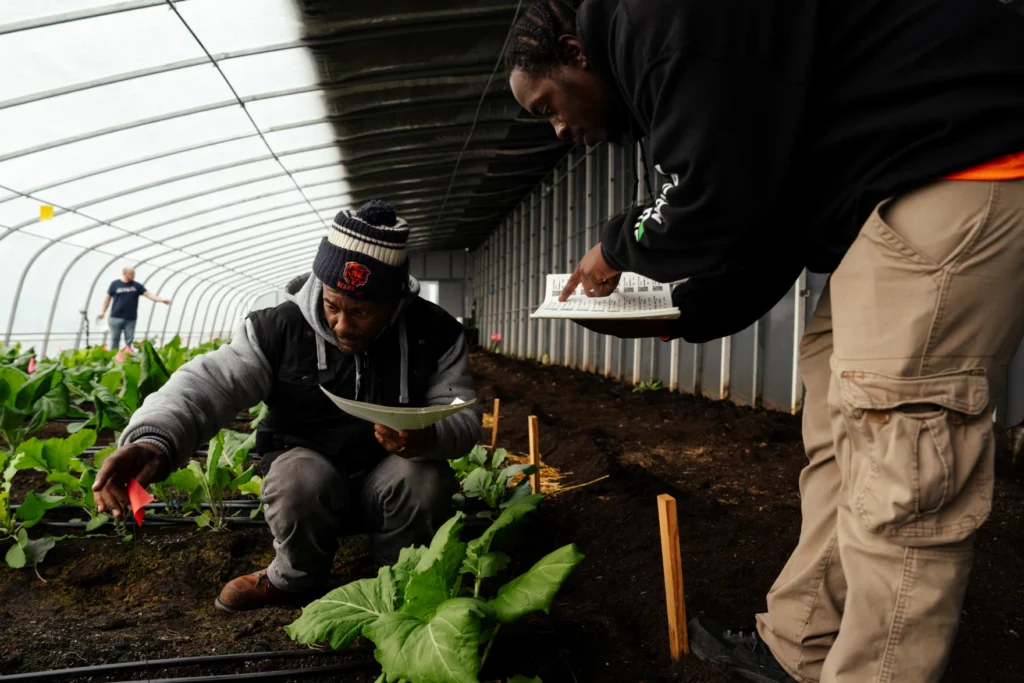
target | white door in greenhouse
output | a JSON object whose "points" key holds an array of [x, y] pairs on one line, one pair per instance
{"points": [[430, 290]]}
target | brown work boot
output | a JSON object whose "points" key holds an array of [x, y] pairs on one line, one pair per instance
{"points": [[254, 591]]}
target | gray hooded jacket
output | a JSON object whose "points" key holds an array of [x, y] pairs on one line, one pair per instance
{"points": [[208, 392]]}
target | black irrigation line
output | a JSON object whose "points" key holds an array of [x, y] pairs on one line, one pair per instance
{"points": [[202, 660], [155, 522], [315, 672], [233, 504]]}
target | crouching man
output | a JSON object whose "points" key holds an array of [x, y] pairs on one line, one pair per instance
{"points": [[357, 327]]}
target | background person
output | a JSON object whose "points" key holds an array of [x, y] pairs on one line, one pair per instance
{"points": [[357, 327], [877, 141], [125, 295]]}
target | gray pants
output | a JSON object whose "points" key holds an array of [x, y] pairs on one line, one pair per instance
{"points": [[309, 504], [117, 326]]}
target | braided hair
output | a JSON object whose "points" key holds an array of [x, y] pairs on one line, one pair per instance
{"points": [[534, 46]]}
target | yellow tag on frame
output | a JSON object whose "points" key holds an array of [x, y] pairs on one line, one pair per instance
{"points": [[45, 213]]}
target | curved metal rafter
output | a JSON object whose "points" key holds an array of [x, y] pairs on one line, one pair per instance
{"points": [[403, 128]]}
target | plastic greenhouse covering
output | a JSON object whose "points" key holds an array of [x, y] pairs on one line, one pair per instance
{"points": [[158, 132]]}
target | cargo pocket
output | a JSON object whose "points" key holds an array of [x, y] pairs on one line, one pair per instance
{"points": [[920, 460]]}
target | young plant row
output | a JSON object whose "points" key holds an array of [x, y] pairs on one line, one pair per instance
{"points": [[199, 491], [97, 387], [435, 614]]}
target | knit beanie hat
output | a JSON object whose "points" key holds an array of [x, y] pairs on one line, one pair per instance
{"points": [[363, 255]]}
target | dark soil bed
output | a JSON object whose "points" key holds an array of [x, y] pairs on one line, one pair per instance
{"points": [[732, 470]]}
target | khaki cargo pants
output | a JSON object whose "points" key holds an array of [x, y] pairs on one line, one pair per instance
{"points": [[904, 360]]}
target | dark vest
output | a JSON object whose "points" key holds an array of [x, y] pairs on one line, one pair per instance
{"points": [[299, 412]]}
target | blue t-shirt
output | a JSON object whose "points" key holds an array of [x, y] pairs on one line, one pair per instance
{"points": [[126, 299]]}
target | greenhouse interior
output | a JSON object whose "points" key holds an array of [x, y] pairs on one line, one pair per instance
{"points": [[335, 237]]}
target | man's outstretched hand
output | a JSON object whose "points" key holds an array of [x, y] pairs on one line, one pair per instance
{"points": [[406, 443], [594, 274], [143, 462]]}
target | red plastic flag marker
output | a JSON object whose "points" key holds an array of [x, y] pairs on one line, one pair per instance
{"points": [[139, 498], [31, 365]]}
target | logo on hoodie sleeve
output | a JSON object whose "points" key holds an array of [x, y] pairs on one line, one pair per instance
{"points": [[654, 212]]}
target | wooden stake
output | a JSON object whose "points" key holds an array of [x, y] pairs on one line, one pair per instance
{"points": [[494, 426], [534, 453], [673, 567]]}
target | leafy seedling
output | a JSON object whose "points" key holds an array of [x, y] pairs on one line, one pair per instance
{"points": [[643, 387], [483, 476]]}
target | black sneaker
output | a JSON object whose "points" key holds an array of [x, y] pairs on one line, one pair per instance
{"points": [[743, 651]]}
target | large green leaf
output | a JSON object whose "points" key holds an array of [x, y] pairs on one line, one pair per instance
{"points": [[36, 505], [36, 549], [339, 617], [235, 451], [36, 387], [476, 483], [68, 481], [96, 522], [447, 534], [499, 458], [215, 449], [81, 441], [129, 394], [444, 650], [14, 379], [510, 516], [491, 563], [5, 390], [56, 455], [241, 480], [535, 589], [102, 455], [251, 487], [15, 557], [111, 380], [198, 486], [408, 559], [431, 586], [76, 413], [154, 373]]}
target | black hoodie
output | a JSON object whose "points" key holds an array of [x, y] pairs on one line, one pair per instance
{"points": [[781, 124]]}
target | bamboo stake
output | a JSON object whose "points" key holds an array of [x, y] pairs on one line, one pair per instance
{"points": [[534, 453], [672, 565], [494, 425]]}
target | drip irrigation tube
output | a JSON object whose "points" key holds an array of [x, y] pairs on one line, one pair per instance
{"points": [[232, 504], [155, 522], [204, 660], [315, 672]]}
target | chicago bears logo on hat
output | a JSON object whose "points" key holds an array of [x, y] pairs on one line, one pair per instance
{"points": [[356, 274]]}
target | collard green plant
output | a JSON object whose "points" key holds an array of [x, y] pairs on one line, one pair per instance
{"points": [[73, 477], [428, 627], [483, 476], [14, 525], [27, 401], [224, 476]]}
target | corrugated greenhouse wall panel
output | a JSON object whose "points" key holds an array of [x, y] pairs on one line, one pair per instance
{"points": [[563, 229]]}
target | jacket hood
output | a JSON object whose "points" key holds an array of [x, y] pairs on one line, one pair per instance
{"points": [[306, 291]]}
